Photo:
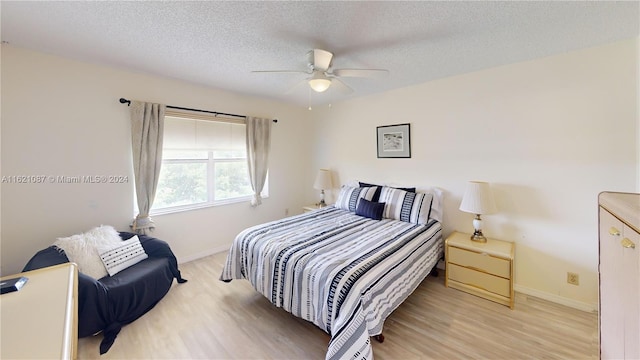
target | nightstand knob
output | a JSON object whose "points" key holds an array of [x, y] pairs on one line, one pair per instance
{"points": [[613, 231]]}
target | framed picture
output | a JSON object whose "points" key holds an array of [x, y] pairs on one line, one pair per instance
{"points": [[394, 141]]}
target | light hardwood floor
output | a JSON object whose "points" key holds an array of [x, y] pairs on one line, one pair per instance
{"points": [[209, 319]]}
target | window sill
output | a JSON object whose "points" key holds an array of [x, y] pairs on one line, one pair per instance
{"points": [[183, 208]]}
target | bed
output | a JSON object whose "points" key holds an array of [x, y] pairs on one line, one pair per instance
{"points": [[345, 267]]}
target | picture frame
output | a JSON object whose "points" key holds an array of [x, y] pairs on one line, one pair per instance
{"points": [[394, 141]]}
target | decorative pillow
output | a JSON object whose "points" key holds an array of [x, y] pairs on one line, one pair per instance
{"points": [[82, 249], [349, 196], [119, 257], [376, 196], [370, 209], [406, 206]]}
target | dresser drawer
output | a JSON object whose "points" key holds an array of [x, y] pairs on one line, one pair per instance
{"points": [[494, 284], [480, 261]]}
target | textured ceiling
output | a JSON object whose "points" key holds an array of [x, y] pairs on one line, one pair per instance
{"points": [[218, 44]]}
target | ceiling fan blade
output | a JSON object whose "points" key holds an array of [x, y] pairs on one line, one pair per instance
{"points": [[321, 59], [296, 87], [281, 71], [367, 73], [340, 86]]}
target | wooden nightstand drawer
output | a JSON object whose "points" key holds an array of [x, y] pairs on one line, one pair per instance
{"points": [[488, 282], [480, 261], [482, 269]]}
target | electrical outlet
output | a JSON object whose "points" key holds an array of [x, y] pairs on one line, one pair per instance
{"points": [[573, 278]]}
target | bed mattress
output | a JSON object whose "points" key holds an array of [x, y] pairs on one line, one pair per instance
{"points": [[343, 272]]}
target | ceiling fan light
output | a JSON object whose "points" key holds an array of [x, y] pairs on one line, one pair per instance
{"points": [[319, 84]]}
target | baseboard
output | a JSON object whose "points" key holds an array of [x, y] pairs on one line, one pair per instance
{"points": [[200, 255], [589, 307]]}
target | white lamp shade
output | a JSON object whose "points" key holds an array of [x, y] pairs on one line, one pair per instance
{"points": [[319, 82], [478, 199], [323, 180], [319, 85]]}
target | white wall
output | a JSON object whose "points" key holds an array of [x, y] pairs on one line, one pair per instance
{"points": [[548, 134], [62, 117], [637, 77]]}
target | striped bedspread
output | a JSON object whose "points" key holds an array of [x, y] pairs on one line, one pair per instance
{"points": [[343, 272]]}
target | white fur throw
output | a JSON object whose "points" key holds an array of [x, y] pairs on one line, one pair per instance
{"points": [[82, 249]]}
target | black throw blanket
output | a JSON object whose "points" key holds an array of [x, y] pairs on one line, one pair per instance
{"points": [[106, 304]]}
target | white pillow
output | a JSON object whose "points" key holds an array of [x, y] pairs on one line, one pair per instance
{"points": [[406, 206], [438, 204], [82, 249], [350, 196], [120, 256]]}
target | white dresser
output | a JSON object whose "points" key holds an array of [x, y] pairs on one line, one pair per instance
{"points": [[40, 320], [619, 268]]}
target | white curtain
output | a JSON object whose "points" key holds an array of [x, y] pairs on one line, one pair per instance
{"points": [[258, 143], [147, 125]]}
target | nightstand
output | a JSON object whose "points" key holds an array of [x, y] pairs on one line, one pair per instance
{"points": [[481, 269], [311, 207]]}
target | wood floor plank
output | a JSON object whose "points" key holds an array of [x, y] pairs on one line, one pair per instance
{"points": [[208, 319]]}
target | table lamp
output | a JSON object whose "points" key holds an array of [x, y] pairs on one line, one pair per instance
{"points": [[478, 200], [323, 182]]}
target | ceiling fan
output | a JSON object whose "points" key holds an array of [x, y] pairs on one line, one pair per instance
{"points": [[322, 75]]}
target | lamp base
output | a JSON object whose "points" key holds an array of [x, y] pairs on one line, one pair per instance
{"points": [[478, 237], [322, 203], [477, 227]]}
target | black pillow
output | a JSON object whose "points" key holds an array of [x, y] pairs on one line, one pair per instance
{"points": [[376, 195], [370, 209]]}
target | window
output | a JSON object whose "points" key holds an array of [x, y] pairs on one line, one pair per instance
{"points": [[204, 163]]}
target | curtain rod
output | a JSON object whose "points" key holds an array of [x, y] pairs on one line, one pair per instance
{"points": [[128, 102]]}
